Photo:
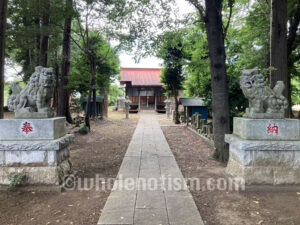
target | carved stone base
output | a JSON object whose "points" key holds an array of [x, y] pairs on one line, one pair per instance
{"points": [[38, 148], [38, 175], [264, 162]]}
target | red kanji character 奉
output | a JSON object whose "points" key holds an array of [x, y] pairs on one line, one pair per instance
{"points": [[27, 128]]}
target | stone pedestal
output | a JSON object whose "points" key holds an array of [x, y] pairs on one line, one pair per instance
{"points": [[265, 151], [38, 148]]}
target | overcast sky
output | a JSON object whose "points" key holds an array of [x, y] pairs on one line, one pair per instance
{"points": [[11, 70]]}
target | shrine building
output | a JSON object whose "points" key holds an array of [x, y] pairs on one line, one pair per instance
{"points": [[144, 89]]}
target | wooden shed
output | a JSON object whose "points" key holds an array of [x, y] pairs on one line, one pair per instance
{"points": [[194, 105], [99, 102]]}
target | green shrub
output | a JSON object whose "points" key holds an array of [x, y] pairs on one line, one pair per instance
{"points": [[15, 179], [84, 130]]}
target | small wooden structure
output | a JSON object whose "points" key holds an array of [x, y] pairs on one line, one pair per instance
{"points": [[99, 102], [144, 89], [194, 105]]}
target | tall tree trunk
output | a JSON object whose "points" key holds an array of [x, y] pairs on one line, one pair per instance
{"points": [[45, 6], [3, 15], [93, 81], [63, 108], [56, 73], [37, 22], [220, 101], [94, 104], [105, 103], [278, 46], [177, 121]]}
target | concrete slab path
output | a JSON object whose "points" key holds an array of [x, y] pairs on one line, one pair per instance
{"points": [[150, 188]]}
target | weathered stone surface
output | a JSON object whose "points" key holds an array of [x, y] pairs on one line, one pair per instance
{"points": [[33, 101], [264, 162], [264, 102], [151, 217], [267, 129], [25, 157], [129, 168], [119, 208], [45, 145], [154, 174], [40, 150], [184, 213], [262, 145], [46, 175], [150, 199], [42, 129]]}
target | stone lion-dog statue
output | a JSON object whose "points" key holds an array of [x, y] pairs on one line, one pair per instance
{"points": [[264, 102], [33, 101]]}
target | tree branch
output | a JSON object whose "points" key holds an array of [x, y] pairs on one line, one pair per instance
{"points": [[230, 4], [199, 7], [293, 30], [78, 45]]}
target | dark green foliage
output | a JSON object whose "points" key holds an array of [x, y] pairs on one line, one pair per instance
{"points": [[172, 54], [15, 179], [114, 92], [84, 130], [107, 66], [23, 32]]}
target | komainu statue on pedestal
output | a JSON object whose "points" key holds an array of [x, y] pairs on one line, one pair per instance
{"points": [[33, 101], [264, 102]]}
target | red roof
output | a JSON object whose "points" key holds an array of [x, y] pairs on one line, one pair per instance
{"points": [[141, 76]]}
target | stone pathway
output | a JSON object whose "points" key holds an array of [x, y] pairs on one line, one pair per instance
{"points": [[150, 189]]}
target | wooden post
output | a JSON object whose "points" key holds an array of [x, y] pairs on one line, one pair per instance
{"points": [[155, 101], [147, 99], [187, 116], [139, 100]]}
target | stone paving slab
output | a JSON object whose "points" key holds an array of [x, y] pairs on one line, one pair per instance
{"points": [[157, 193], [151, 217], [150, 199]]}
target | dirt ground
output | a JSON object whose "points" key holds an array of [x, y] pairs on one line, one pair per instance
{"points": [[99, 153], [228, 207]]}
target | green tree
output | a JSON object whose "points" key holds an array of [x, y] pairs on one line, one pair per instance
{"points": [[34, 33], [128, 22], [216, 33], [172, 76], [107, 66], [114, 92]]}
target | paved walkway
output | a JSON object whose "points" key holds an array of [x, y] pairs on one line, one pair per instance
{"points": [[150, 189]]}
